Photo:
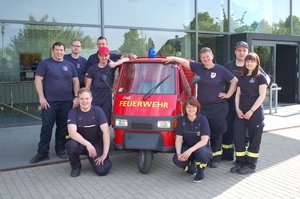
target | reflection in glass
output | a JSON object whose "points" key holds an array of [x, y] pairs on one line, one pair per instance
{"points": [[173, 14], [139, 41], [52, 11], [259, 16], [25, 46], [266, 55], [212, 15], [217, 43], [25, 43]]}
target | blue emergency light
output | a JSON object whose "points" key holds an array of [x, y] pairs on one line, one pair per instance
{"points": [[152, 53]]}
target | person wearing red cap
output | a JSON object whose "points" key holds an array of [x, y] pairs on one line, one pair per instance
{"points": [[100, 90], [102, 42]]}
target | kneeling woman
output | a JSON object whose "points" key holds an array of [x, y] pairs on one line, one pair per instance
{"points": [[250, 94], [192, 135]]}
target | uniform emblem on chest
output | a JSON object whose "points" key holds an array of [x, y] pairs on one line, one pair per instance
{"points": [[65, 68], [199, 133], [213, 75], [78, 65], [252, 80]]}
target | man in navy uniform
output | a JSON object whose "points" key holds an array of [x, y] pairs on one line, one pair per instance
{"points": [[77, 60], [55, 81], [89, 133], [94, 59], [100, 90]]}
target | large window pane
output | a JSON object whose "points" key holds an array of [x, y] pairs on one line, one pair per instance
{"points": [[296, 17], [23, 44], [69, 11], [174, 14], [213, 15], [268, 16], [217, 43], [22, 39], [139, 41]]}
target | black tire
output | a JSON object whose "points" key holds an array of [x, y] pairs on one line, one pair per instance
{"points": [[144, 161]]}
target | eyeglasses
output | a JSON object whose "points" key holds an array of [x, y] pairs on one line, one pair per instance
{"points": [[191, 107], [75, 46]]}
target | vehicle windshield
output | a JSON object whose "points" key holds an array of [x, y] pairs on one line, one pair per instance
{"points": [[140, 78]]}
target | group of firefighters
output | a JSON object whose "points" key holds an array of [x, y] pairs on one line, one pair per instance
{"points": [[216, 126]]}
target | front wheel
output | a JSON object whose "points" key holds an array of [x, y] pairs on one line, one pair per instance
{"points": [[144, 161]]}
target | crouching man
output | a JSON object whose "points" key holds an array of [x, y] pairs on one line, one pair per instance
{"points": [[89, 133]]}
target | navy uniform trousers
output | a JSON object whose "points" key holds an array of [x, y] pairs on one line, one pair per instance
{"points": [[103, 99], [75, 149], [57, 113], [227, 140], [200, 157], [216, 117], [248, 156]]}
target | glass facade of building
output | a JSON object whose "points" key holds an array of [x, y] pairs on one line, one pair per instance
{"points": [[130, 26]]}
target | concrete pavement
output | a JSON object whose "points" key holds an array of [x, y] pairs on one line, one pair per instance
{"points": [[277, 174]]}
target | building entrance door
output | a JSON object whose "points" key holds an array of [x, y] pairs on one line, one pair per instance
{"points": [[287, 71], [280, 61]]}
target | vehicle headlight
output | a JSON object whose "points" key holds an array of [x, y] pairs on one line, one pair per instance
{"points": [[163, 124], [121, 122]]}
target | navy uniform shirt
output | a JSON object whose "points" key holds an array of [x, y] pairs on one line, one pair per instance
{"points": [[94, 59], [58, 79], [211, 84], [80, 66], [237, 71], [94, 72], [193, 126], [250, 90], [234, 69], [88, 123]]}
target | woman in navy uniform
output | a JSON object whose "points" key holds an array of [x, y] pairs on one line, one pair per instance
{"points": [[211, 96], [191, 143], [250, 94]]}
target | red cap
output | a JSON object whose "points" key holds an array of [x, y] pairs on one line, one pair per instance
{"points": [[103, 50]]}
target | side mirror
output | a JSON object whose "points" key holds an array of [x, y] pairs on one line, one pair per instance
{"points": [[195, 80], [103, 78]]}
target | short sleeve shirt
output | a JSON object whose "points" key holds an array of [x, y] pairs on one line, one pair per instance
{"points": [[58, 79], [193, 126], [236, 70], [211, 84], [87, 120], [94, 59], [79, 65], [250, 90], [94, 73]]}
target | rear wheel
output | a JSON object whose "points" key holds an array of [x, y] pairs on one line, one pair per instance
{"points": [[144, 161]]}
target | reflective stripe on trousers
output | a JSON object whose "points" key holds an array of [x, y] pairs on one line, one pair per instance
{"points": [[227, 146]]}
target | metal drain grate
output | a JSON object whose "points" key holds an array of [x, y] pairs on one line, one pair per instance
{"points": [[60, 161]]}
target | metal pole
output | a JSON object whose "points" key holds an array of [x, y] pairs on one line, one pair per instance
{"points": [[271, 94], [2, 31], [274, 87]]}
